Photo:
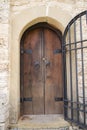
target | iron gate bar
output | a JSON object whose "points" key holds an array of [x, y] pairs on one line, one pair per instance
{"points": [[75, 109], [70, 58], [76, 122], [76, 70], [82, 68], [75, 42], [74, 102], [64, 78], [76, 49], [80, 106], [86, 17], [71, 22], [70, 101]]}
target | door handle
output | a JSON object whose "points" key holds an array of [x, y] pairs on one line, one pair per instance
{"points": [[36, 64], [47, 63]]}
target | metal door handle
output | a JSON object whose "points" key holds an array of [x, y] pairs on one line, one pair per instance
{"points": [[36, 64], [47, 63]]}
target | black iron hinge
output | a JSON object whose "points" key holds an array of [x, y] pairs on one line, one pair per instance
{"points": [[58, 99], [57, 51], [25, 99], [28, 51]]}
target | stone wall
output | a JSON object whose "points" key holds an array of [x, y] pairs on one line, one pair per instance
{"points": [[73, 6], [8, 10], [4, 63]]}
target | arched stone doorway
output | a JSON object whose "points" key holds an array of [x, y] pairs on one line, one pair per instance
{"points": [[19, 23], [41, 70]]}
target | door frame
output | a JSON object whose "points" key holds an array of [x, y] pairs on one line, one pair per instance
{"points": [[55, 19], [39, 25]]}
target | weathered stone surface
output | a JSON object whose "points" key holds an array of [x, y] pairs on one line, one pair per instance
{"points": [[4, 62], [63, 128]]}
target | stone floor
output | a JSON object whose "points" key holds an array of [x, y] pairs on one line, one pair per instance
{"points": [[41, 122]]}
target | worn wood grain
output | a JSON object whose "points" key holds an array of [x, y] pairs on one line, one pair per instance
{"points": [[41, 72]]}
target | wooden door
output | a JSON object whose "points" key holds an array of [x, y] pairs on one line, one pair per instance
{"points": [[41, 72], [53, 73]]}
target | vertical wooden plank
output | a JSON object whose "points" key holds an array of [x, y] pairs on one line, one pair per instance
{"points": [[33, 85], [28, 106], [53, 80], [37, 86]]}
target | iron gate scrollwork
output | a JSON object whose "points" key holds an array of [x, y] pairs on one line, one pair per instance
{"points": [[75, 70]]}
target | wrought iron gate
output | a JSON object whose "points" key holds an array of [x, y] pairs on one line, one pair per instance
{"points": [[75, 70]]}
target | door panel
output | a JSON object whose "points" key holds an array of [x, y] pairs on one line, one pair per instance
{"points": [[33, 85], [53, 74], [41, 73]]}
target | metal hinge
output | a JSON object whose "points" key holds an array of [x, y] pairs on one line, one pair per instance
{"points": [[28, 51], [57, 51], [58, 99], [25, 99]]}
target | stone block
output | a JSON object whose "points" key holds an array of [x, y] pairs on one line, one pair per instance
{"points": [[3, 126]]}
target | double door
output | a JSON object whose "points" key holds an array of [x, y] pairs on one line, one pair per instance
{"points": [[41, 72]]}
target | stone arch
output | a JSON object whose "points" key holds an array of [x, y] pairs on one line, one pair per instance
{"points": [[54, 23], [19, 23]]}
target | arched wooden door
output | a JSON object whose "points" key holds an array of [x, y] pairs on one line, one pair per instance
{"points": [[41, 71]]}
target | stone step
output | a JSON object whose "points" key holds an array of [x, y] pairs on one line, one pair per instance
{"points": [[62, 128], [41, 122]]}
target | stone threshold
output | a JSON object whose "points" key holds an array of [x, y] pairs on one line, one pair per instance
{"points": [[41, 122]]}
